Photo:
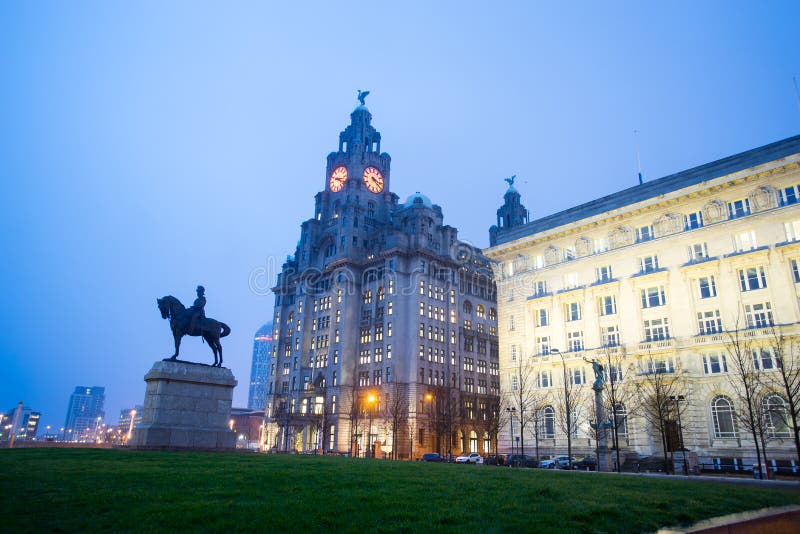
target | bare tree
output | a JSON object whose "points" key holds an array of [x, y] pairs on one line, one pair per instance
{"points": [[523, 398], [570, 401], [745, 377], [397, 411], [617, 394], [659, 386], [494, 420], [787, 380]]}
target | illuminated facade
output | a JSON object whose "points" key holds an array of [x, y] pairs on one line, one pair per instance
{"points": [[660, 276], [259, 369], [385, 338], [85, 413]]}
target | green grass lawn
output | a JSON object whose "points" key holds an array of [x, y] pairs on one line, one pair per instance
{"points": [[93, 490]]}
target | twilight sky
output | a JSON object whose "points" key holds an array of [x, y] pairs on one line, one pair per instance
{"points": [[147, 147]]}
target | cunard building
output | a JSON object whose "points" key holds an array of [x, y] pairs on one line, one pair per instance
{"points": [[385, 337]]}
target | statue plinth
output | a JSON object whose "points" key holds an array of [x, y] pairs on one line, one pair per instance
{"points": [[186, 406]]}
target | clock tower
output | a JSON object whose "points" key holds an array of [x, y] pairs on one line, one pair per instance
{"points": [[367, 315]]}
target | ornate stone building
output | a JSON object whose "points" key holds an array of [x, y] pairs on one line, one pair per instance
{"points": [[385, 336], [665, 280]]}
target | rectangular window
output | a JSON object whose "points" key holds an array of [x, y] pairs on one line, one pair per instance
{"points": [[707, 287], [603, 273], [739, 208], [648, 264], [744, 241], [388, 352], [709, 322], [571, 280], [608, 305], [542, 317], [644, 233], [544, 379], [514, 383], [543, 345], [513, 353], [714, 364], [660, 366], [795, 271], [653, 296], [656, 329], [600, 245], [789, 195], [765, 359], [540, 287], [469, 364], [573, 311], [698, 252], [792, 229], [575, 341], [511, 322], [610, 335], [758, 315], [752, 278], [694, 220], [577, 377]]}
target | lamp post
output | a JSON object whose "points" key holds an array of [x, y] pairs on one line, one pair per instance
{"points": [[566, 404], [677, 400], [429, 398], [130, 426], [511, 412], [371, 402]]}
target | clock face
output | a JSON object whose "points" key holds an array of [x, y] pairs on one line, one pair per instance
{"points": [[373, 179], [338, 178]]}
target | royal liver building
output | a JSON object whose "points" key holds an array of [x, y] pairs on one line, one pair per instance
{"points": [[385, 323]]}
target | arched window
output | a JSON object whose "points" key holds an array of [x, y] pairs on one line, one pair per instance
{"points": [[621, 420], [381, 293], [473, 441], [723, 415], [467, 307], [481, 311], [548, 429], [776, 414]]}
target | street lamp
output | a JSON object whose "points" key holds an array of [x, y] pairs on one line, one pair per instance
{"points": [[677, 400], [130, 426], [566, 404], [511, 412], [371, 402], [429, 397]]}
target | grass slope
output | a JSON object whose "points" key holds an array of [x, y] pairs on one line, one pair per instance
{"points": [[93, 490]]}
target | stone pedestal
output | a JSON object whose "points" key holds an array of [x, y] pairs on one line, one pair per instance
{"points": [[186, 406]]}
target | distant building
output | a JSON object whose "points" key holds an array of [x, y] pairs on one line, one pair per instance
{"points": [[670, 279], [27, 423], [249, 427], [85, 413], [259, 370], [124, 425]]}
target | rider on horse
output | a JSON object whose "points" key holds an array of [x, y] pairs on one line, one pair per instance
{"points": [[198, 308]]}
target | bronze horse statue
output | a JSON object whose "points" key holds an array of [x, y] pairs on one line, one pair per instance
{"points": [[210, 329]]}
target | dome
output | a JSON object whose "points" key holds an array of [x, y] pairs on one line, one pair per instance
{"points": [[418, 199]]}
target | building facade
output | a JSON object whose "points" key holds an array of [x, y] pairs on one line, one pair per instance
{"points": [[129, 418], [259, 369], [85, 413], [385, 327], [664, 283]]}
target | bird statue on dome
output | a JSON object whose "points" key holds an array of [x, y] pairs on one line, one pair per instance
{"points": [[362, 95], [510, 180]]}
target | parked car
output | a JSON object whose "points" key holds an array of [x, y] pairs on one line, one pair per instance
{"points": [[471, 458], [559, 462], [495, 460], [585, 464], [432, 457], [520, 460]]}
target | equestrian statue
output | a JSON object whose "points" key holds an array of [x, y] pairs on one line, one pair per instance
{"points": [[193, 322]]}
